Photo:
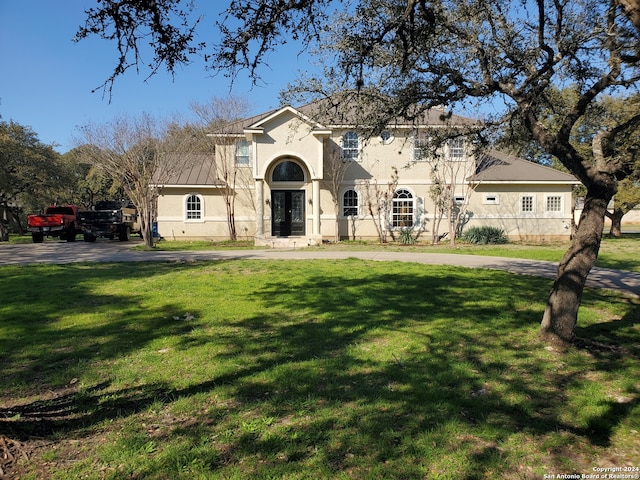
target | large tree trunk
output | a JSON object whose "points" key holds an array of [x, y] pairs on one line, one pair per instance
{"points": [[561, 313]]}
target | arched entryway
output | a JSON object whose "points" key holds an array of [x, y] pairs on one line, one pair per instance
{"points": [[288, 194]]}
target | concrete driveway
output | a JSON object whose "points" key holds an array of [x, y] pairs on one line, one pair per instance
{"points": [[56, 252]]}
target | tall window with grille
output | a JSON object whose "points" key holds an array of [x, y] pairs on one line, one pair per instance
{"points": [[243, 155], [350, 146], [350, 203], [402, 214], [194, 207], [420, 146], [456, 149]]}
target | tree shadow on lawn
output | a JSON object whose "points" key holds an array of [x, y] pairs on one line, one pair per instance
{"points": [[405, 371], [40, 347]]}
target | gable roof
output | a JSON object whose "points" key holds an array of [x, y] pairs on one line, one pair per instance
{"points": [[498, 167], [329, 112], [287, 108], [342, 111], [237, 127], [200, 172]]}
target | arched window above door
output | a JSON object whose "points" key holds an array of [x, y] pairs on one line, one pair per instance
{"points": [[288, 171]]}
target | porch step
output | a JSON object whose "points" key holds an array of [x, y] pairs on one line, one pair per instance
{"points": [[283, 242]]}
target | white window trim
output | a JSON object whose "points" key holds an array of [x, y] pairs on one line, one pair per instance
{"points": [[460, 158], [533, 204], [414, 208], [358, 149], [417, 151], [491, 199], [389, 140], [184, 204], [554, 212], [358, 208], [235, 156]]}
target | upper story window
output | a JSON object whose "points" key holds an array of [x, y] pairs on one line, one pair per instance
{"points": [[387, 137], [193, 207], [350, 146], [288, 172], [420, 146], [350, 203], [456, 148], [243, 153], [402, 214]]}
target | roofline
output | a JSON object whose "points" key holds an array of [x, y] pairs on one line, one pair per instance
{"points": [[189, 185], [257, 126], [525, 182], [233, 135]]}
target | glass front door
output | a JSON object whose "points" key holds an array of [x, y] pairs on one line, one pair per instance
{"points": [[287, 213]]}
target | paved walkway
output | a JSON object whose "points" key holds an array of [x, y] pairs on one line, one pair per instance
{"points": [[108, 251]]}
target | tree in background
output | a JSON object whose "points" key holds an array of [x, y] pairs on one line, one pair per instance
{"points": [[141, 154], [604, 113], [608, 113], [31, 176], [625, 200], [423, 54], [92, 184], [218, 136]]}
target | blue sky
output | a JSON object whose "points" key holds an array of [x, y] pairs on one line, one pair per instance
{"points": [[46, 80]]}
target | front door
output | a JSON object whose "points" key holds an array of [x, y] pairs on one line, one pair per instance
{"points": [[287, 213]]}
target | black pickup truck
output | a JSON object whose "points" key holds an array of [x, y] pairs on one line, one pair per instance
{"points": [[109, 219]]}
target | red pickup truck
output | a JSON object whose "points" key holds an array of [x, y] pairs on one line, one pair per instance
{"points": [[57, 221]]}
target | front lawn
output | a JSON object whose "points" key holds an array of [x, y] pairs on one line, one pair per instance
{"points": [[617, 253], [316, 369]]}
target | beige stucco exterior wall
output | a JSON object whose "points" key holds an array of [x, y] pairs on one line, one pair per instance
{"points": [[289, 137], [505, 212], [173, 224]]}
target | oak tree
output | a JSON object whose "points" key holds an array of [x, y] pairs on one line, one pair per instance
{"points": [[422, 54], [141, 154], [31, 176]]}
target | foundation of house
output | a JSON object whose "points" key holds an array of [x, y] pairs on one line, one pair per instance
{"points": [[287, 242]]}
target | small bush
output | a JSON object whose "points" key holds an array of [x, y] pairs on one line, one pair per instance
{"points": [[484, 235], [406, 236]]}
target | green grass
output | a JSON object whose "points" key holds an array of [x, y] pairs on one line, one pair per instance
{"points": [[617, 253], [316, 369], [182, 245]]}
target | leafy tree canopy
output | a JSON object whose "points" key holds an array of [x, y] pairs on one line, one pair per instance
{"points": [[396, 55], [31, 176]]}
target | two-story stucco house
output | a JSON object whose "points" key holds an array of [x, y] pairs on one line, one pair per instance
{"points": [[297, 178]]}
